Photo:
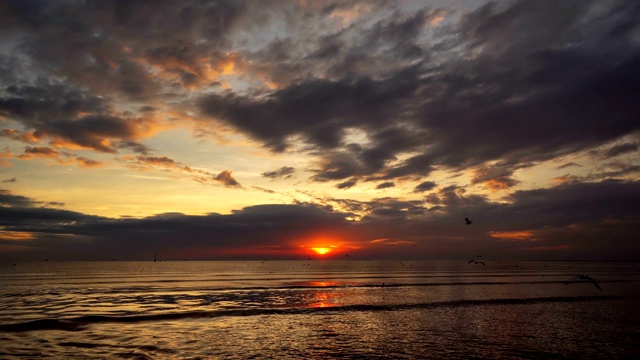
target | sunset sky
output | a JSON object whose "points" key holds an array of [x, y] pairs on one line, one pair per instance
{"points": [[369, 129]]}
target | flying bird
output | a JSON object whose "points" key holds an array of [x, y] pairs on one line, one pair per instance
{"points": [[468, 222], [583, 277], [476, 262]]}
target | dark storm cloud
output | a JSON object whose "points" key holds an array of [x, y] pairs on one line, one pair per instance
{"points": [[104, 42], [37, 103], [556, 81], [284, 172], [56, 111], [394, 208], [8, 199], [318, 110], [532, 93], [617, 196]]}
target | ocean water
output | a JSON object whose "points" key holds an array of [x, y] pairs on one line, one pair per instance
{"points": [[319, 310]]}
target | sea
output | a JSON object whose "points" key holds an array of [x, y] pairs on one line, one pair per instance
{"points": [[320, 309]]}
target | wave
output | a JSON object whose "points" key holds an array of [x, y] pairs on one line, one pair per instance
{"points": [[290, 286], [81, 322]]}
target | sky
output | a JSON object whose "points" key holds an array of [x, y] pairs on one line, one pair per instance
{"points": [[287, 129]]}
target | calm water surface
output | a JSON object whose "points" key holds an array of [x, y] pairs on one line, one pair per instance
{"points": [[318, 309]]}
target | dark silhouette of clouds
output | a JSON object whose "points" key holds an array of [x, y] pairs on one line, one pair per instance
{"points": [[573, 218], [385, 185], [284, 172], [424, 186]]}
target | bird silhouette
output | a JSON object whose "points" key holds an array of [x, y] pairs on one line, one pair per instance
{"points": [[577, 278], [476, 262], [468, 222]]}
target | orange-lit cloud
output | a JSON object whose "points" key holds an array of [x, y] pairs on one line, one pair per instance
{"points": [[559, 180], [16, 235], [29, 137], [164, 163], [39, 151], [226, 178], [386, 241], [5, 153], [494, 177], [522, 235], [61, 158], [548, 248], [191, 69], [436, 17], [88, 163], [345, 15]]}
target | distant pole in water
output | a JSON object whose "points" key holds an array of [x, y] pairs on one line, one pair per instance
{"points": [[155, 258]]}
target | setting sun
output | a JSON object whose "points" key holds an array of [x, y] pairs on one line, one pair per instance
{"points": [[321, 250]]}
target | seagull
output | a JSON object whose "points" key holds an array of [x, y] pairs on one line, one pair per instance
{"points": [[468, 221], [583, 277], [476, 262]]}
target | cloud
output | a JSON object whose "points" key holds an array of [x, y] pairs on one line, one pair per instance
{"points": [[570, 221], [19, 135], [495, 177], [70, 118], [619, 150], [8, 199], [284, 172], [347, 184], [39, 151], [12, 180], [385, 185], [136, 147], [521, 235], [62, 158], [514, 107], [117, 45], [566, 165], [366, 91], [84, 162], [424, 186], [432, 89], [227, 180], [165, 163]]}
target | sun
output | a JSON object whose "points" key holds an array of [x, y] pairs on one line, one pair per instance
{"points": [[321, 250]]}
